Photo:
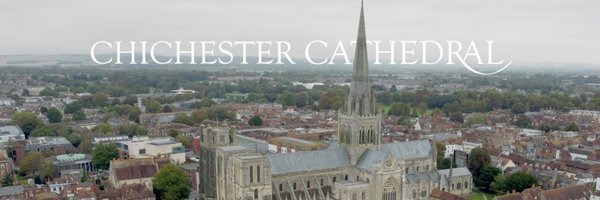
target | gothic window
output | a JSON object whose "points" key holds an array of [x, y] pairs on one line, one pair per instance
{"points": [[294, 185], [321, 182], [346, 177], [406, 171], [280, 187], [427, 167], [417, 169], [466, 184], [363, 195], [423, 193], [308, 184], [333, 179], [251, 174], [389, 190], [452, 186], [255, 193], [458, 186], [258, 173]]}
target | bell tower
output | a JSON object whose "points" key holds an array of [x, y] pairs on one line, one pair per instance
{"points": [[359, 125]]}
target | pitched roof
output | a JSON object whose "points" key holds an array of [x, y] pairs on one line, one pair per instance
{"points": [[438, 194], [308, 161], [399, 150], [136, 171], [572, 192]]}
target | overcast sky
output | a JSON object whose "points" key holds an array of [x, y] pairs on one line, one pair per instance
{"points": [[523, 31]]}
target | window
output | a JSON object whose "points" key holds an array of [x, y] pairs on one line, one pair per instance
{"points": [[354, 197], [258, 173], [423, 193], [406, 171], [294, 185], [346, 177], [280, 187], [142, 151], [458, 186], [255, 193], [251, 173], [466, 184], [363, 195], [307, 184], [417, 169], [333, 179], [221, 138], [321, 182]]}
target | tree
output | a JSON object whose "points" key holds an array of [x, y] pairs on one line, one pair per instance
{"points": [[25, 92], [286, 99], [518, 182], [26, 121], [522, 121], [399, 109], [185, 140], [8, 179], [478, 159], [79, 116], [476, 118], [173, 133], [72, 108], [183, 118], [457, 117], [518, 108], [34, 164], [44, 110], [103, 154], [54, 115], [86, 145], [220, 113], [153, 106], [486, 177], [572, 127], [255, 121], [52, 130], [171, 182]]}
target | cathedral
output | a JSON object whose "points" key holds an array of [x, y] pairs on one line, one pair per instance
{"points": [[356, 166]]}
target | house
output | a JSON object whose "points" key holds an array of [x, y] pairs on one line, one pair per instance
{"points": [[8, 133], [577, 192], [130, 171], [145, 147], [12, 192], [128, 192]]}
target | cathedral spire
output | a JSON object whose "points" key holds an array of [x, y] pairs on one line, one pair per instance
{"points": [[361, 100]]}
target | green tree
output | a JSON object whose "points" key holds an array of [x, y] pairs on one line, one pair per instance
{"points": [[457, 117], [72, 108], [286, 99], [399, 109], [183, 118], [79, 115], [44, 110], [518, 182], [518, 108], [52, 130], [220, 113], [153, 106], [478, 159], [8, 179], [476, 118], [173, 133], [572, 127], [522, 121], [34, 164], [27, 121], [103, 154], [486, 177], [54, 115], [171, 182], [255, 121], [86, 145]]}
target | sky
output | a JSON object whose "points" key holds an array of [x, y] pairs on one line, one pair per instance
{"points": [[532, 31]]}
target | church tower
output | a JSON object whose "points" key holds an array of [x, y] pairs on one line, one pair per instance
{"points": [[359, 125]]}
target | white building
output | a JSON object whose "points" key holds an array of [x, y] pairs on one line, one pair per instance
{"points": [[8, 133], [450, 148], [144, 147]]}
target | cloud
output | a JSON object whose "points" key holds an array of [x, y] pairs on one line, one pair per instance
{"points": [[523, 31]]}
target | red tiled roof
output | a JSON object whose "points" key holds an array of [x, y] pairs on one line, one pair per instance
{"points": [[136, 171], [438, 194]]}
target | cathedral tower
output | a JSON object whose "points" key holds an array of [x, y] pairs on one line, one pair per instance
{"points": [[360, 121]]}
